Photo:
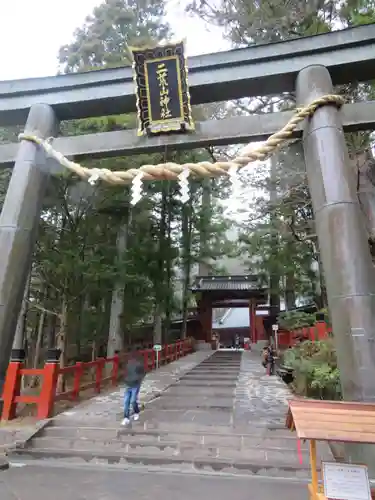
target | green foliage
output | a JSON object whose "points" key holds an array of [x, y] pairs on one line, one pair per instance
{"points": [[77, 264], [291, 320], [104, 38], [278, 233], [315, 370]]}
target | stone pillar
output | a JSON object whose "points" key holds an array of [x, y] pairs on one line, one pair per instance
{"points": [[18, 223], [348, 269]]}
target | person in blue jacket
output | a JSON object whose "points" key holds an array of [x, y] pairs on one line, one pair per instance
{"points": [[134, 375]]}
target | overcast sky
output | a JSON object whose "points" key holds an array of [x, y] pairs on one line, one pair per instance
{"points": [[32, 31]]}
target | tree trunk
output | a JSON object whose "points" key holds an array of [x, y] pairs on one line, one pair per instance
{"points": [[62, 342], [51, 331], [158, 325], [290, 295], [168, 265], [160, 284], [204, 266], [38, 345], [19, 337], [115, 335], [186, 258], [274, 271]]}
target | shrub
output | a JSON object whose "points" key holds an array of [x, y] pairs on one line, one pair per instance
{"points": [[315, 370], [291, 320]]}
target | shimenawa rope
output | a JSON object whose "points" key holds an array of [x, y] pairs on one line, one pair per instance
{"points": [[201, 169]]}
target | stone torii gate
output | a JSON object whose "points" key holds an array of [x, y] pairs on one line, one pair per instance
{"points": [[307, 66]]}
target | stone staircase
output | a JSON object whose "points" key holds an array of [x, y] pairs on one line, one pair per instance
{"points": [[197, 424]]}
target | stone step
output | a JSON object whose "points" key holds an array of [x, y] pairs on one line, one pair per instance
{"points": [[196, 381], [210, 376], [258, 428], [187, 391], [203, 373], [169, 448], [192, 402], [201, 416], [213, 373], [224, 365], [211, 362], [219, 366], [185, 432], [53, 439], [226, 354], [253, 462]]}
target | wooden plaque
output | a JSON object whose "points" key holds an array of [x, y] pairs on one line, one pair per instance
{"points": [[163, 100]]}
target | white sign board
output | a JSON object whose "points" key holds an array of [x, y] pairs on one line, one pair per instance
{"points": [[157, 347], [275, 327], [346, 481]]}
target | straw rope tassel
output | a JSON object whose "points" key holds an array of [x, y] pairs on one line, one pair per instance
{"points": [[171, 170]]}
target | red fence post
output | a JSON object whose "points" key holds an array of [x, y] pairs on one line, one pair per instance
{"points": [[12, 385], [115, 369], [321, 329], [49, 384], [77, 379], [321, 326], [164, 356], [145, 360], [314, 335], [151, 356], [100, 362]]}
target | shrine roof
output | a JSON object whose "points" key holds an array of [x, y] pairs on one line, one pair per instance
{"points": [[247, 282], [332, 420]]}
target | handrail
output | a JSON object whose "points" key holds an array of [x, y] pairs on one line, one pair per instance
{"points": [[51, 372]]}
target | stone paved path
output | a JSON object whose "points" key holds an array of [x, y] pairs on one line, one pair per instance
{"points": [[216, 413], [35, 482], [107, 408], [260, 399]]}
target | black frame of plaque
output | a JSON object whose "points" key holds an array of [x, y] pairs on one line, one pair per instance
{"points": [[146, 62]]}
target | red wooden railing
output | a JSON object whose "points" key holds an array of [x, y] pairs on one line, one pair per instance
{"points": [[320, 331], [49, 375]]}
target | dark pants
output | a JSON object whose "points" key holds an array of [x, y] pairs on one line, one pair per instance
{"points": [[131, 400], [271, 367]]}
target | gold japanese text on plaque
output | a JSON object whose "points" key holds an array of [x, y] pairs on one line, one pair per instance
{"points": [[163, 99]]}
